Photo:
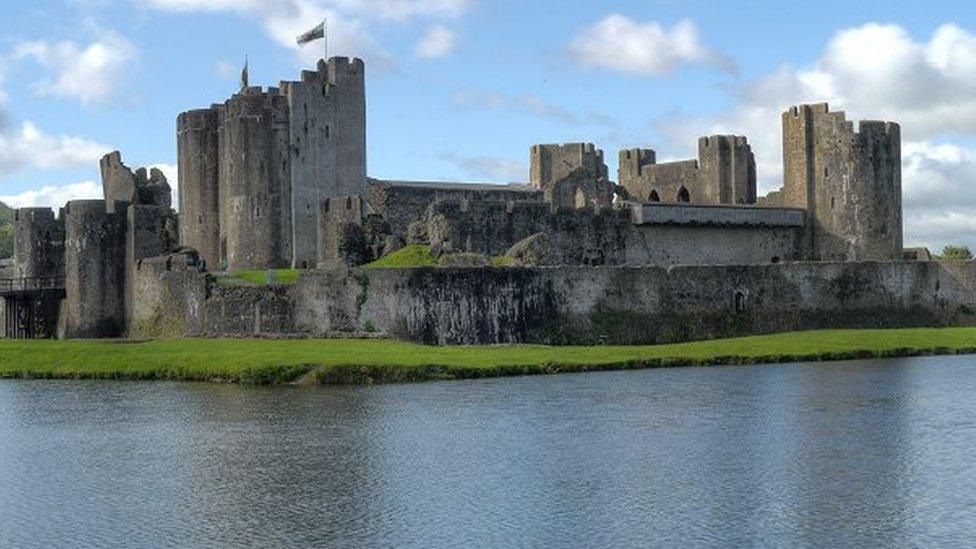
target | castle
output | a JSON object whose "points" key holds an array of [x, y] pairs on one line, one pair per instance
{"points": [[276, 178]]}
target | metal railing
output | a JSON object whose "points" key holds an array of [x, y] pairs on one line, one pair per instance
{"points": [[29, 284]]}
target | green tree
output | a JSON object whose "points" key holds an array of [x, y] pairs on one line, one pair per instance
{"points": [[956, 252], [6, 231]]}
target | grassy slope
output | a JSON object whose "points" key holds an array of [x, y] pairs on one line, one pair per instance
{"points": [[258, 278], [416, 255], [364, 361]]}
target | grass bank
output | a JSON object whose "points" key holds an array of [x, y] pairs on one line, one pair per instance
{"points": [[370, 361]]}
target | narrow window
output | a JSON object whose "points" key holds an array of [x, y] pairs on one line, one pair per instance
{"points": [[739, 302], [326, 131], [832, 202]]}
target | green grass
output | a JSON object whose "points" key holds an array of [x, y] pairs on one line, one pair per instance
{"points": [[415, 255], [368, 361], [258, 278], [418, 255]]}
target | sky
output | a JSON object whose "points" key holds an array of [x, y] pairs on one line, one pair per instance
{"points": [[460, 89]]}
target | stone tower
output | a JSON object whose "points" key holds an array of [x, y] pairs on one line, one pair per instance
{"points": [[94, 305], [551, 163], [254, 170], [198, 157], [38, 243], [727, 169], [849, 182]]}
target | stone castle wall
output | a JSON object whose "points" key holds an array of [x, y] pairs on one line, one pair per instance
{"points": [[584, 305]]}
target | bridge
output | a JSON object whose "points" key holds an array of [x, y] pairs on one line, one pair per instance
{"points": [[30, 306]]}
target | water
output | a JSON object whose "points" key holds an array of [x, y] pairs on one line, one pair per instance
{"points": [[867, 453]]}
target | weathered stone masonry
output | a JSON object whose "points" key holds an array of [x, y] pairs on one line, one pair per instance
{"points": [[571, 304]]}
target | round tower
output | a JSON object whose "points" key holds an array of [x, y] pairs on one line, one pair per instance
{"points": [[253, 182], [197, 151], [94, 270]]}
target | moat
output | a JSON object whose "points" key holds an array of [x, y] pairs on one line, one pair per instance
{"points": [[859, 453]]}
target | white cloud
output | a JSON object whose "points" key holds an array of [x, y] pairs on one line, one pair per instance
{"points": [[225, 69], [406, 9], [489, 168], [172, 177], [619, 43], [32, 147], [90, 73], [527, 103], [437, 41], [53, 196], [875, 71], [56, 196], [349, 21]]}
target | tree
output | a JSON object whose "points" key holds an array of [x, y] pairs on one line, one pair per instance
{"points": [[956, 252], [6, 231]]}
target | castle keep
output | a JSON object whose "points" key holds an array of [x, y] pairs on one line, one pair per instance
{"points": [[254, 170], [274, 178]]}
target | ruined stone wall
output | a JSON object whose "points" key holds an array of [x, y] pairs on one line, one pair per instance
{"points": [[197, 152], [94, 305], [720, 236], [401, 203], [724, 173], [175, 299], [121, 186], [634, 305], [341, 235], [551, 163], [150, 231], [254, 181], [849, 181], [38, 243]]}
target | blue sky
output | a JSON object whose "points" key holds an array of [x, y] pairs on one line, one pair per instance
{"points": [[459, 89]]}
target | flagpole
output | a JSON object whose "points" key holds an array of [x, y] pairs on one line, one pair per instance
{"points": [[325, 38]]}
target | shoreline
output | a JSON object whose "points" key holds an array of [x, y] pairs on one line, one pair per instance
{"points": [[330, 362]]}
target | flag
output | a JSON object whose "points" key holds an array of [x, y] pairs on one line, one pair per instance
{"points": [[317, 33], [244, 75]]}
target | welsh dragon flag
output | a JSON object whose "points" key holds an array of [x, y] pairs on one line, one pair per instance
{"points": [[318, 33]]}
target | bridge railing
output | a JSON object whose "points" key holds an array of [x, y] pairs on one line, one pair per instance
{"points": [[28, 284]]}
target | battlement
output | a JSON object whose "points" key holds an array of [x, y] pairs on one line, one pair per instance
{"points": [[879, 128], [35, 215], [88, 208]]}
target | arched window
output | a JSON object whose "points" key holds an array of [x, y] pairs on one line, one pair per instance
{"points": [[684, 195], [654, 197], [739, 302]]}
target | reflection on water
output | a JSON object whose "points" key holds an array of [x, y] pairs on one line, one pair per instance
{"points": [[870, 453]]}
